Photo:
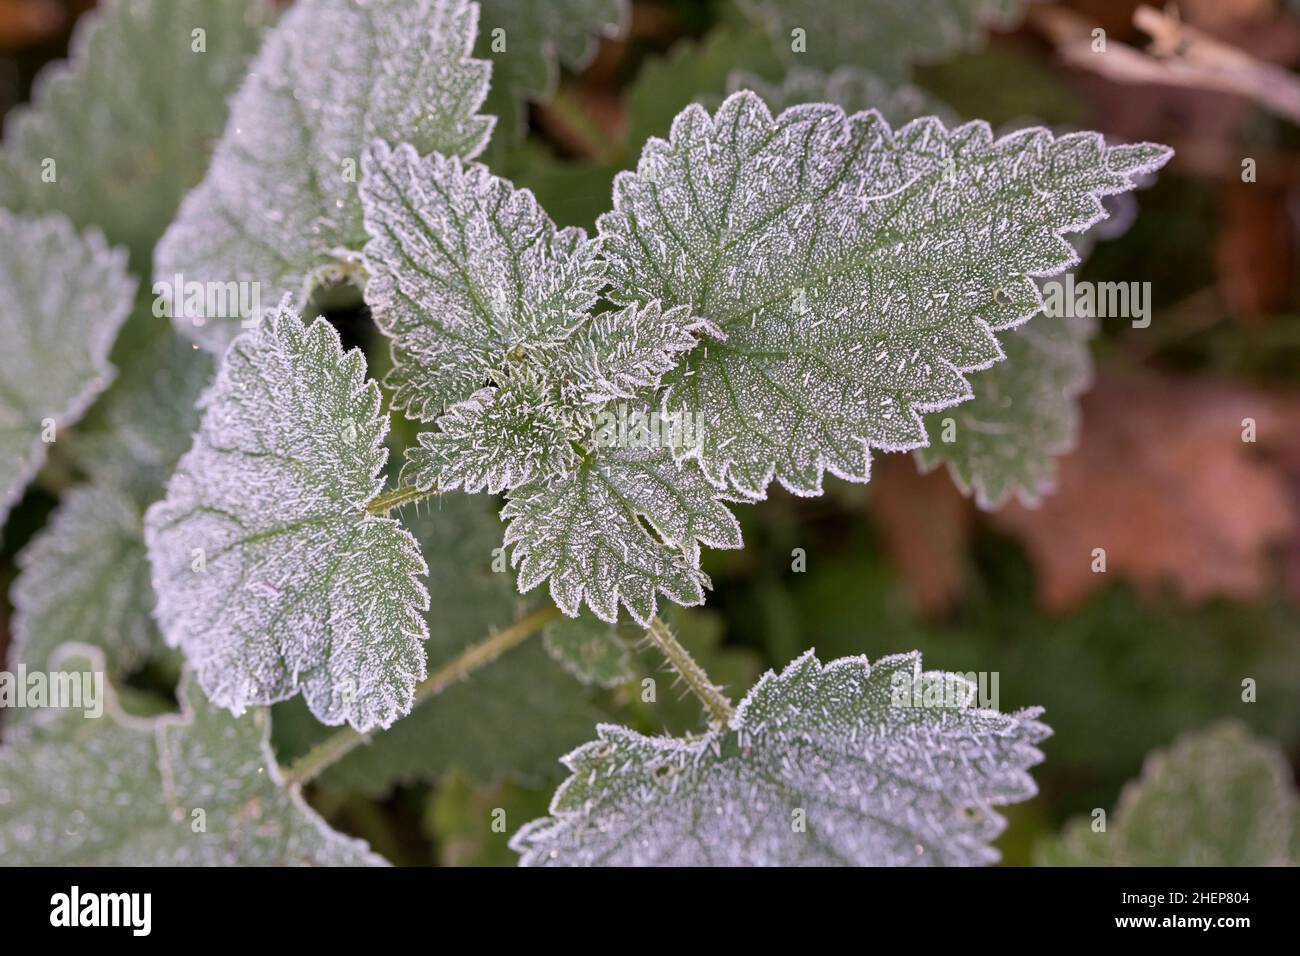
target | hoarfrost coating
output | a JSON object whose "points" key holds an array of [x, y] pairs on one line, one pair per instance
{"points": [[818, 767], [270, 574]]}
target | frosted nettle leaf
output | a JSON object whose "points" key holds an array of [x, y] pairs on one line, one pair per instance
{"points": [[851, 88], [620, 353], [128, 120], [502, 296], [500, 437], [623, 528], [821, 765], [466, 273], [270, 574], [279, 206], [65, 297], [85, 578], [195, 789], [523, 40], [1220, 797], [1024, 414], [512, 719], [885, 35], [136, 432], [589, 649], [857, 272]]}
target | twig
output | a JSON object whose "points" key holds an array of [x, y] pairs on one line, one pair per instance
{"points": [[1179, 55]]}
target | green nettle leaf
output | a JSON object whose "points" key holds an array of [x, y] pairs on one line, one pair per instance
{"points": [[523, 40], [501, 295], [270, 574], [115, 136], [1219, 797], [195, 789], [589, 649], [575, 193], [467, 276], [1024, 414], [539, 420], [845, 763], [885, 35], [854, 272], [279, 209], [85, 578], [65, 297], [851, 88], [694, 71], [512, 719], [134, 435], [622, 529], [499, 437]]}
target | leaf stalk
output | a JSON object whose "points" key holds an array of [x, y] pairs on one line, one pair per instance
{"points": [[386, 501], [342, 742], [717, 703]]}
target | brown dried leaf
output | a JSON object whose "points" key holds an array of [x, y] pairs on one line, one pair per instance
{"points": [[1163, 481], [926, 522]]}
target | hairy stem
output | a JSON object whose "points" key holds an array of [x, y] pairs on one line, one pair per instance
{"points": [[386, 501], [679, 658], [342, 742]]}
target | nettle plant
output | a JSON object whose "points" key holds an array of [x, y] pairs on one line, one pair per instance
{"points": [[771, 297]]}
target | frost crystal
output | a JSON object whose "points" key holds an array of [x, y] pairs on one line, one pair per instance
{"points": [[1220, 797], [270, 574], [279, 206], [887, 35], [1024, 414], [195, 789], [623, 528], [128, 121], [821, 765], [65, 297], [857, 271]]}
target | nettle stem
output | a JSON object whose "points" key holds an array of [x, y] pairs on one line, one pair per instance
{"points": [[679, 658], [386, 501], [342, 742]]}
